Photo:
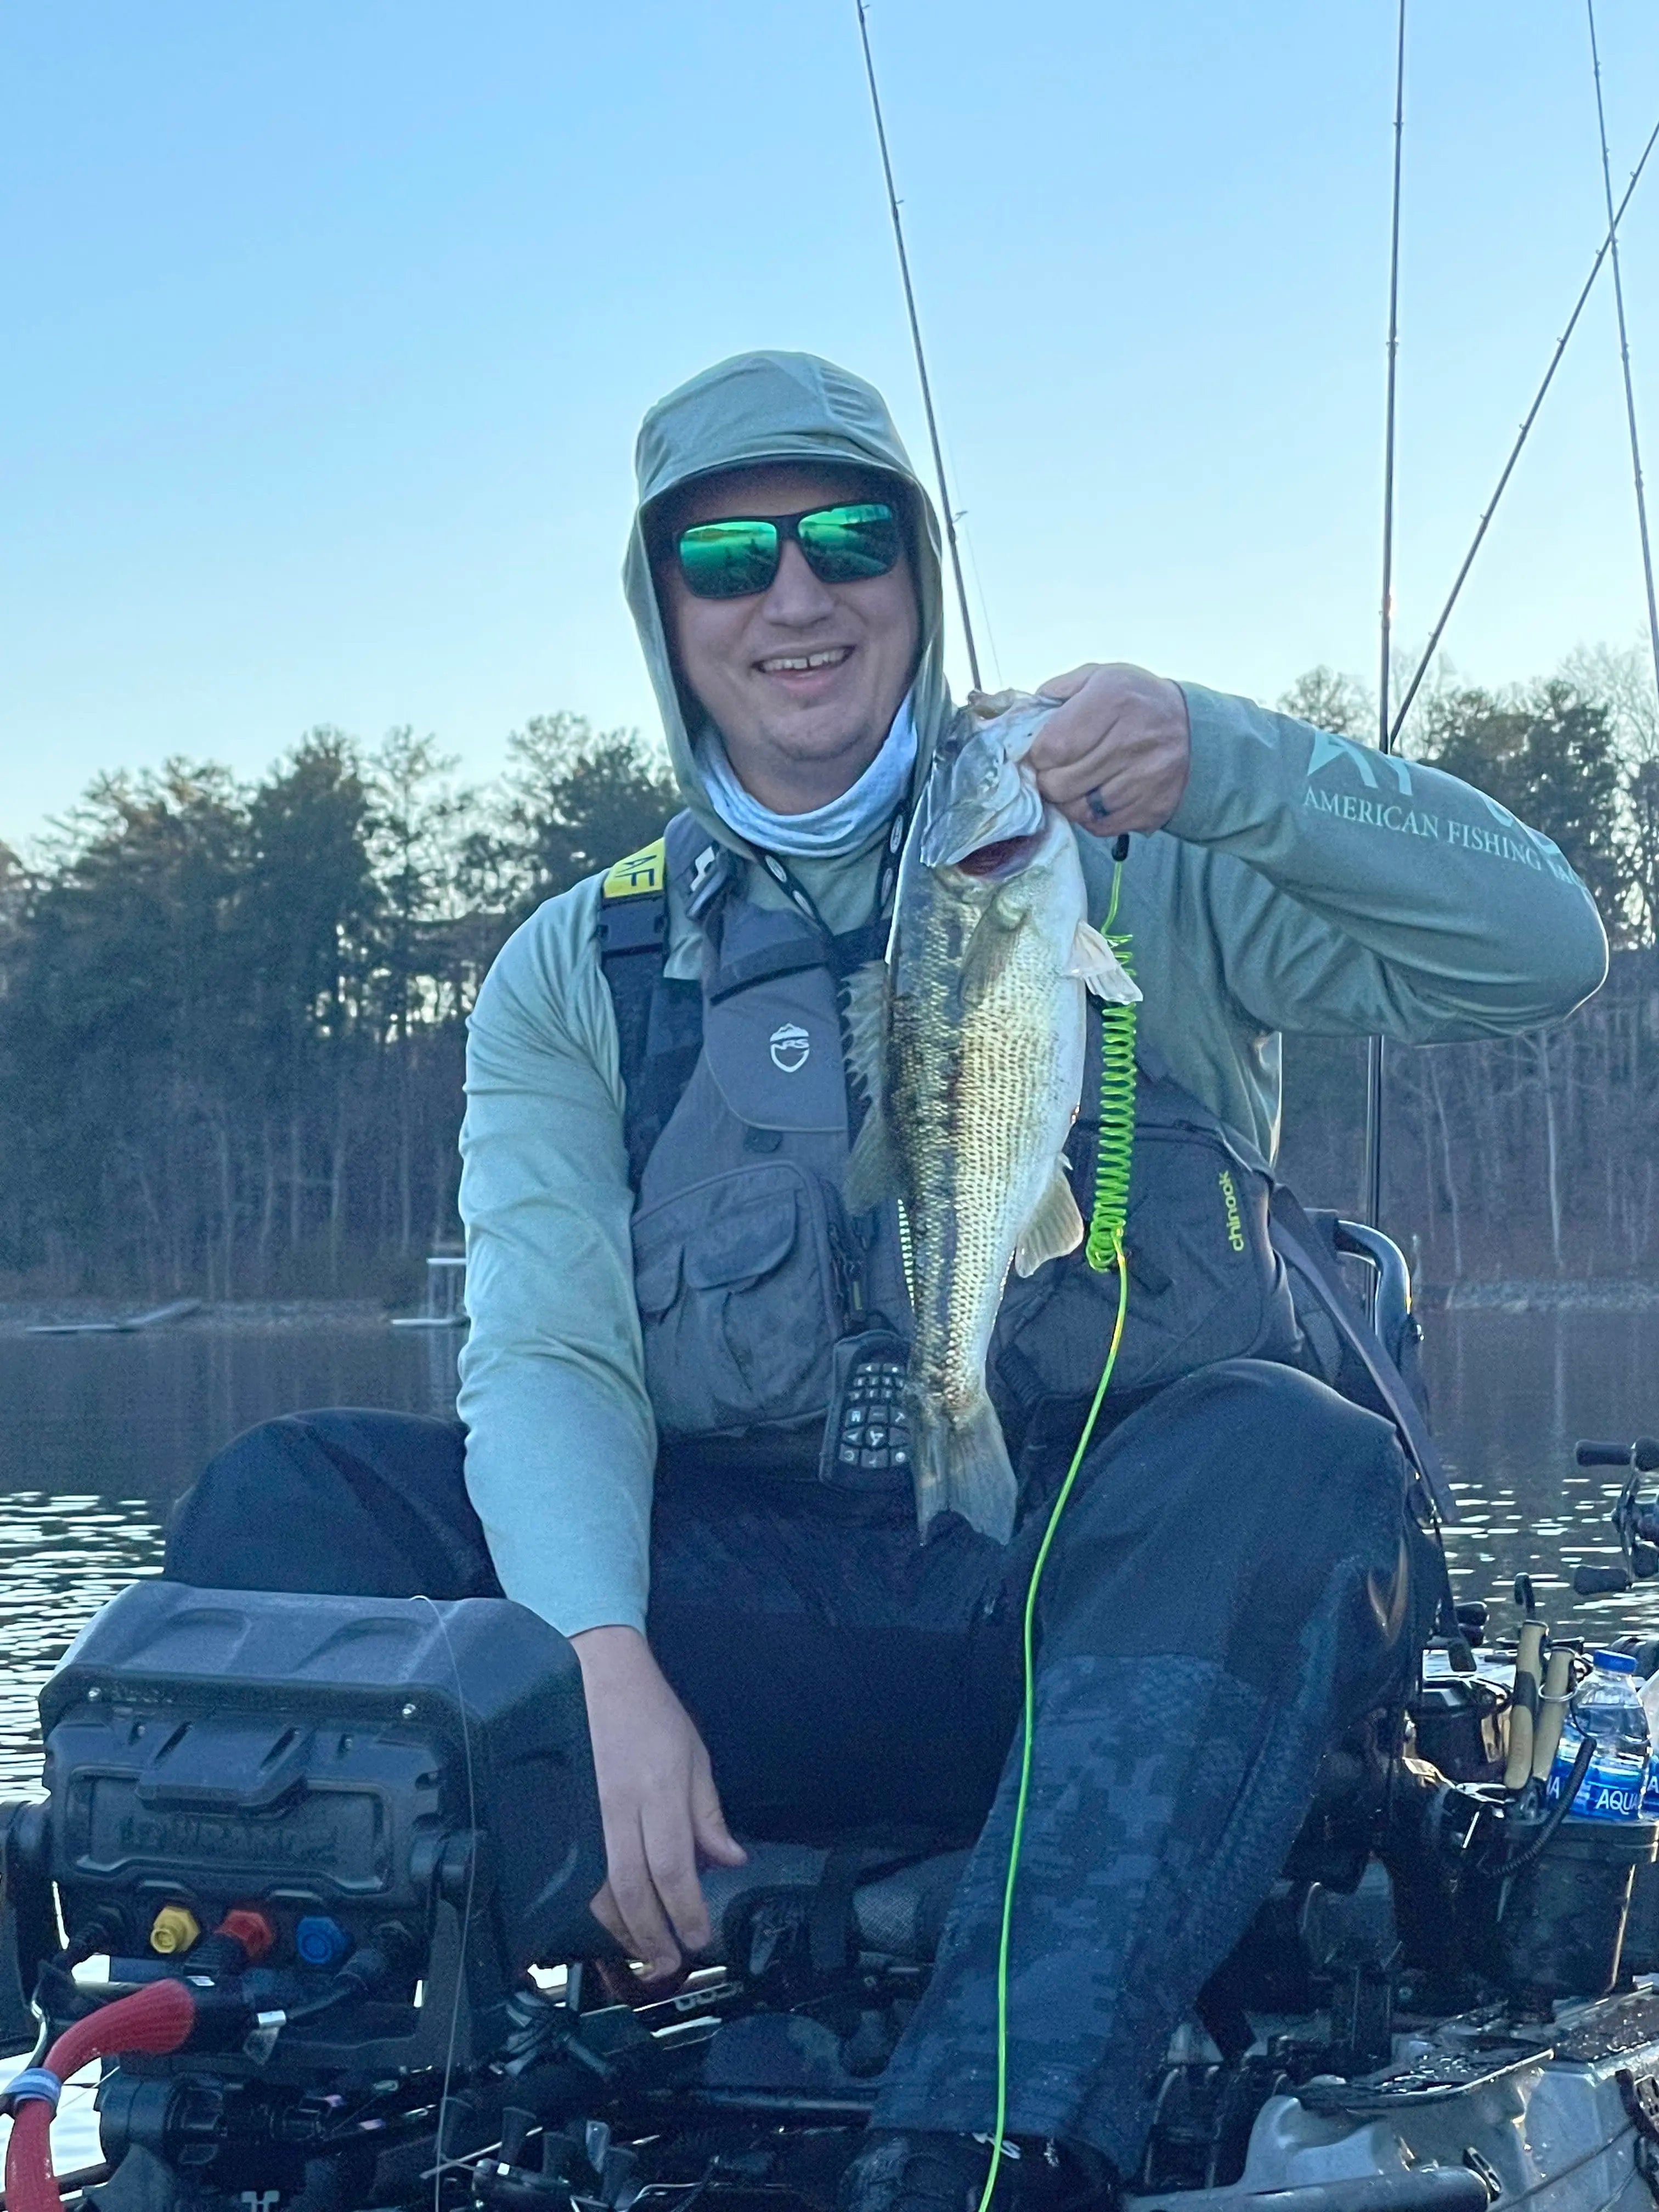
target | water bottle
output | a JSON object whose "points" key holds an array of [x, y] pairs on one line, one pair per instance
{"points": [[1606, 1705], [1650, 1695]]}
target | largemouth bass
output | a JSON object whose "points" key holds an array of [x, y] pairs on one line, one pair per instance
{"points": [[970, 1040]]}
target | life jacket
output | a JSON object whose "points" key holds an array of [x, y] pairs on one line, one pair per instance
{"points": [[750, 1269]]}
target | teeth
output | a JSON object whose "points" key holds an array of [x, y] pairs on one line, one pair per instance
{"points": [[830, 659]]}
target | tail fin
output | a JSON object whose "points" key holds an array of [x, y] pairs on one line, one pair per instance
{"points": [[960, 1466]]}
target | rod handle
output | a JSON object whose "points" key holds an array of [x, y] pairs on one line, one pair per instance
{"points": [[1552, 1712], [1523, 1713]]}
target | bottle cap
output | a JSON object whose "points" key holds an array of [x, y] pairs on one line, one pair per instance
{"points": [[319, 1941], [1614, 1662], [175, 1928]]}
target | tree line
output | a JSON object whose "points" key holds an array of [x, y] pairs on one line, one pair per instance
{"points": [[232, 1014]]}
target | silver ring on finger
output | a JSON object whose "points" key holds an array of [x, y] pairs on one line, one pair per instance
{"points": [[1097, 805]]}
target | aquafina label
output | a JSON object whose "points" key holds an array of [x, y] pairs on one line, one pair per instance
{"points": [[1606, 1706]]}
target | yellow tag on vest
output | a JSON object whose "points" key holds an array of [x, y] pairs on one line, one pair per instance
{"points": [[641, 871]]}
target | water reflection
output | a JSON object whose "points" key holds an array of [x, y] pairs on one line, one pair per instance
{"points": [[136, 1416], [103, 1433], [60, 1558], [1512, 1393]]}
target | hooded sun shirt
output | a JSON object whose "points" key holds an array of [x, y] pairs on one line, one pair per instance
{"points": [[1302, 884], [756, 408]]}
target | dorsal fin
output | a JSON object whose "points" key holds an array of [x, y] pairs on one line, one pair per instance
{"points": [[866, 1027], [870, 1178]]}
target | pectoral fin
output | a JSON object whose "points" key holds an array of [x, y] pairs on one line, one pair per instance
{"points": [[1054, 1229], [1095, 963]]}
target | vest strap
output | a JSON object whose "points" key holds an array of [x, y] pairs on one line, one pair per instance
{"points": [[633, 947], [643, 874]]}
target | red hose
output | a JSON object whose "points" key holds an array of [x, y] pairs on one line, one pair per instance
{"points": [[158, 2018]]}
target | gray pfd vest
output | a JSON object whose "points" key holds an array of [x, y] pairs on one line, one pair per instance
{"points": [[749, 1268]]}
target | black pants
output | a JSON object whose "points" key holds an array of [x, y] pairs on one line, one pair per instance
{"points": [[1227, 1590]]}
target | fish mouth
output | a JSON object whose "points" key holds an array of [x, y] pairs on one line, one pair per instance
{"points": [[976, 823], [982, 794], [1002, 858]]}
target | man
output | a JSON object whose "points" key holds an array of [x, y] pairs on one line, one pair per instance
{"points": [[660, 1270]]}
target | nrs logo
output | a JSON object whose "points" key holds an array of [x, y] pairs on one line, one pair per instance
{"points": [[1235, 1218], [790, 1047]]}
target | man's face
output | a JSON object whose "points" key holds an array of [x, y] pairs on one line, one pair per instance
{"points": [[802, 680]]}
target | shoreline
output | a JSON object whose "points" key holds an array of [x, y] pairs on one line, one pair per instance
{"points": [[19, 1315], [1547, 1294], [1552, 1294]]}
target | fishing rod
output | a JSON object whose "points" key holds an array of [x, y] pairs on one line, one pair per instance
{"points": [[1623, 346], [1373, 1065], [1531, 416], [945, 509]]}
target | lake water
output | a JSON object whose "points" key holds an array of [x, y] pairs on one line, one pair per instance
{"points": [[101, 1434]]}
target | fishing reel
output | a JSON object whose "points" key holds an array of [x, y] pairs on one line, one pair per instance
{"points": [[1535, 1872], [1635, 1524]]}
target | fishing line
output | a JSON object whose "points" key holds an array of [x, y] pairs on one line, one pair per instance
{"points": [[466, 1905], [1104, 1251], [1531, 416], [947, 513], [1374, 1049], [1104, 1248], [1623, 344]]}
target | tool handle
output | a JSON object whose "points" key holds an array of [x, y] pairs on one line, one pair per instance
{"points": [[1552, 1711], [1523, 1713]]}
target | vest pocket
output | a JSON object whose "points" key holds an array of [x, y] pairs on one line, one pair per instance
{"points": [[1205, 1282], [738, 1301]]}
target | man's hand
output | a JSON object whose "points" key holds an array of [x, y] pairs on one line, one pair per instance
{"points": [[658, 1798], [1122, 735]]}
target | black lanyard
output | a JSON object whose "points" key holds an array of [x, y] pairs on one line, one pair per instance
{"points": [[803, 899]]}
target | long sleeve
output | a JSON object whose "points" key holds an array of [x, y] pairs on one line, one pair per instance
{"points": [[1407, 902], [561, 1443]]}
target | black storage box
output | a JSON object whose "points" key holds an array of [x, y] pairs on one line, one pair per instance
{"points": [[356, 1758]]}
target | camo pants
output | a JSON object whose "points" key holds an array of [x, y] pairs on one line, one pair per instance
{"points": [[1227, 1590]]}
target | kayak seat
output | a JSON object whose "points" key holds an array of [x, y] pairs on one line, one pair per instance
{"points": [[820, 1910]]}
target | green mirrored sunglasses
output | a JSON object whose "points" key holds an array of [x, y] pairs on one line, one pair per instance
{"points": [[733, 557]]}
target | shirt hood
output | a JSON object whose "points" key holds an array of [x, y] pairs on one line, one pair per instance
{"points": [[756, 408]]}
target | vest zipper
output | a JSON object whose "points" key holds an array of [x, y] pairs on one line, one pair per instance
{"points": [[847, 1260]]}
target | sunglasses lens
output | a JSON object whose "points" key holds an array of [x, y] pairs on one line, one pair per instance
{"points": [[843, 543], [728, 560]]}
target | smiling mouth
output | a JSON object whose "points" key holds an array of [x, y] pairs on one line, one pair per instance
{"points": [[803, 664]]}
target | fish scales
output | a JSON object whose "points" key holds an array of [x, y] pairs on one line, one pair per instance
{"points": [[972, 1121], [974, 1056]]}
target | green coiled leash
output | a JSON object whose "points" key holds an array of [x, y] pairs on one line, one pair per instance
{"points": [[1114, 1149], [1113, 1157]]}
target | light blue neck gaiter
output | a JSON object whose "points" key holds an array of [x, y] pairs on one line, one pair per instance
{"points": [[843, 826]]}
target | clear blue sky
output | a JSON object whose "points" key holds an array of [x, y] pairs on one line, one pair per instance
{"points": [[328, 327]]}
